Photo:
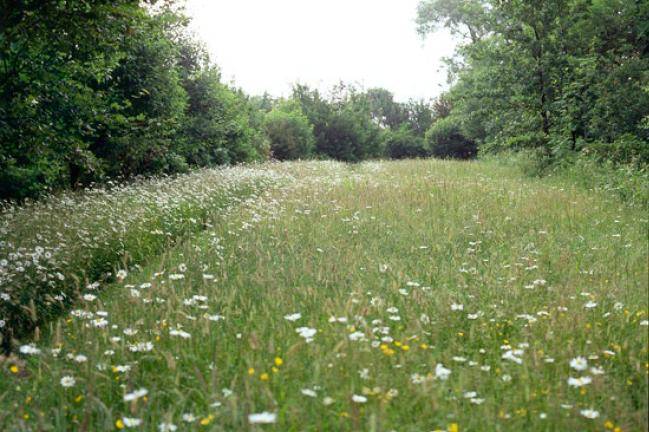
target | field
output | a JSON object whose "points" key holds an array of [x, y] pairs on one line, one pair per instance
{"points": [[319, 296]]}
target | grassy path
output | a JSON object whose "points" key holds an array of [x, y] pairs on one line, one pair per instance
{"points": [[406, 296]]}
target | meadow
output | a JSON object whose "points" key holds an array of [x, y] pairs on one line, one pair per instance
{"points": [[418, 295]]}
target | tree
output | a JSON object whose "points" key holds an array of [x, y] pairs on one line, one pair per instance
{"points": [[343, 125], [384, 110], [104, 89], [55, 58], [147, 104], [556, 75], [445, 140], [470, 19], [289, 131], [404, 143], [420, 116]]}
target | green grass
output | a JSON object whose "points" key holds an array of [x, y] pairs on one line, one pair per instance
{"points": [[523, 257], [51, 250]]}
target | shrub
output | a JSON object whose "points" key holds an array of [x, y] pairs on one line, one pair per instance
{"points": [[626, 149], [290, 133], [403, 143], [445, 139]]}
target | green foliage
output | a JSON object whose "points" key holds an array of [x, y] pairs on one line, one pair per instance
{"points": [[217, 129], [345, 126], [289, 131], [446, 140], [404, 143], [55, 57], [147, 105], [626, 149], [384, 110], [554, 75], [98, 90]]}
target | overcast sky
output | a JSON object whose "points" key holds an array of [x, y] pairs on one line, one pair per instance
{"points": [[266, 45]]}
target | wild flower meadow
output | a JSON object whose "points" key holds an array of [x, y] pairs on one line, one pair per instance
{"points": [[384, 296]]}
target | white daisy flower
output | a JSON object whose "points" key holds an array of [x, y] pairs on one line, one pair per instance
{"points": [[262, 418], [137, 394], [359, 399], [68, 381], [441, 372], [589, 413], [579, 363]]}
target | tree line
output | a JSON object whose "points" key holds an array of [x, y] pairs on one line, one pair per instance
{"points": [[559, 78], [352, 125], [94, 90], [98, 90]]}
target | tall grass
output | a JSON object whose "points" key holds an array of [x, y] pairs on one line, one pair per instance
{"points": [[409, 296], [52, 250], [630, 182]]}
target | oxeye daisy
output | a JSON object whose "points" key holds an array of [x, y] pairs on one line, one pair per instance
{"points": [[68, 381], [359, 399], [262, 418], [589, 413], [579, 363]]}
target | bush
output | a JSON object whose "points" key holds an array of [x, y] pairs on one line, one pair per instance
{"points": [[626, 149], [21, 182], [403, 143], [444, 139], [290, 133]]}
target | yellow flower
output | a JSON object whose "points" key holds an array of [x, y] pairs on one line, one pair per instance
{"points": [[264, 377], [207, 420], [251, 371], [14, 369], [387, 350], [278, 361], [609, 424], [78, 399], [423, 346], [119, 424], [274, 369], [453, 427], [405, 347]]}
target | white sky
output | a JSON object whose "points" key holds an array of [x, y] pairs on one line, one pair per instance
{"points": [[266, 45]]}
